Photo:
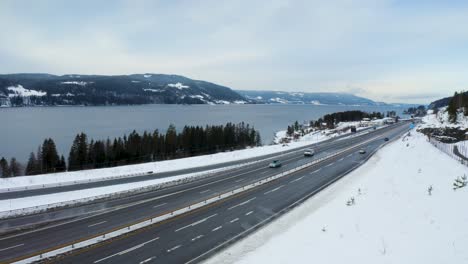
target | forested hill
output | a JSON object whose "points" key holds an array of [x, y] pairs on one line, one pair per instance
{"points": [[444, 101], [46, 89]]}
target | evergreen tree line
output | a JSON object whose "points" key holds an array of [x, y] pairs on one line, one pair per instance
{"points": [[458, 101], [12, 169], [136, 148]]}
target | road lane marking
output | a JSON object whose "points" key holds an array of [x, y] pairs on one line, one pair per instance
{"points": [[330, 164], [197, 237], [204, 191], [249, 213], [341, 159], [298, 179], [239, 180], [196, 223], [217, 228], [174, 248], [159, 205], [234, 220], [147, 260], [275, 189], [237, 205], [97, 224], [315, 171], [350, 155], [19, 245], [127, 250]]}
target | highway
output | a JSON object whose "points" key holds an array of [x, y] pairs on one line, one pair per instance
{"points": [[197, 234]]}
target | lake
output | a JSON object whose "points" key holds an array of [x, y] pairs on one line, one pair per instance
{"points": [[24, 129]]}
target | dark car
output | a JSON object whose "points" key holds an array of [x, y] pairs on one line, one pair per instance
{"points": [[362, 151], [386, 139]]}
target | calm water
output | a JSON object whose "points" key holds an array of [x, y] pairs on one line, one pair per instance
{"points": [[23, 129]]}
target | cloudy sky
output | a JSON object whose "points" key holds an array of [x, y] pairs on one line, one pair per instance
{"points": [[392, 51]]}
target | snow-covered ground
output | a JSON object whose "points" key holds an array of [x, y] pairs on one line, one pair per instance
{"points": [[441, 119], [393, 219], [155, 167]]}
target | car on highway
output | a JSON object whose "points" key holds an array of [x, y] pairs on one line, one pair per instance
{"points": [[309, 152], [362, 151], [386, 139], [275, 164]]}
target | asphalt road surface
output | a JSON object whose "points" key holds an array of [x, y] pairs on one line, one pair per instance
{"points": [[195, 235]]}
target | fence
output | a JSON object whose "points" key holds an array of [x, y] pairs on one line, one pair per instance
{"points": [[457, 151]]}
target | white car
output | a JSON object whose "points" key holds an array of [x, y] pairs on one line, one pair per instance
{"points": [[309, 152]]}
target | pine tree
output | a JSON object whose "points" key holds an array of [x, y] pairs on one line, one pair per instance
{"points": [[32, 168], [50, 158], [4, 168], [452, 108], [15, 168]]}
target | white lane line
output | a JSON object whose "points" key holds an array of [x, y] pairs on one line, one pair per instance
{"points": [[315, 171], [174, 248], [341, 159], [239, 180], [217, 228], [246, 202], [19, 245], [127, 250], [197, 237], [147, 260], [275, 189], [330, 164], [350, 155], [159, 205], [204, 191], [298, 179], [97, 224], [249, 213], [196, 223], [234, 220]]}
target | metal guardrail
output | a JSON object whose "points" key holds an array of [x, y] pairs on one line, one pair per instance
{"points": [[159, 218]]}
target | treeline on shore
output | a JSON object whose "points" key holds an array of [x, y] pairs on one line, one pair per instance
{"points": [[134, 148], [331, 120]]}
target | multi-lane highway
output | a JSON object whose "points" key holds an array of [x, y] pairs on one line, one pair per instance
{"points": [[195, 235]]}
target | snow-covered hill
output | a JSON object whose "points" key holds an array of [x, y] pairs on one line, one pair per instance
{"points": [[46, 89], [406, 211]]}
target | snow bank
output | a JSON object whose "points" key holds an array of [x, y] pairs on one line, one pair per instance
{"points": [[393, 220], [155, 167]]}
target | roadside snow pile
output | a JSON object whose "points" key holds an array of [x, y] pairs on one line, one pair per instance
{"points": [[405, 205], [155, 167]]}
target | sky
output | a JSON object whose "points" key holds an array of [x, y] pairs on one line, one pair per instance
{"points": [[391, 51]]}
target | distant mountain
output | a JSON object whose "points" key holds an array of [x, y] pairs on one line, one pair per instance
{"points": [[442, 102], [72, 89], [277, 97]]}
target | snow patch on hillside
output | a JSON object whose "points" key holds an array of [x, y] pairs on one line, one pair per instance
{"points": [[178, 85], [19, 90], [405, 211], [441, 119], [75, 83]]}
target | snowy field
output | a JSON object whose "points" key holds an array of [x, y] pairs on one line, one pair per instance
{"points": [[393, 219]]}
